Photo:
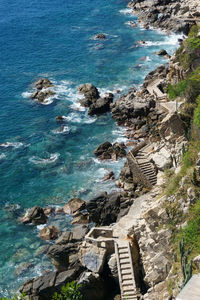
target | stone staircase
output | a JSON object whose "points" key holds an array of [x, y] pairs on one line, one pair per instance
{"points": [[125, 270], [146, 167]]}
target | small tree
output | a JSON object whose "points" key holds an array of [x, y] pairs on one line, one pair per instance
{"points": [[70, 291]]}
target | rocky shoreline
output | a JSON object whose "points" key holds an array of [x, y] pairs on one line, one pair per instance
{"points": [[136, 212]]}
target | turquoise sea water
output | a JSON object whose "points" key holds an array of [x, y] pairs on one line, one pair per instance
{"points": [[54, 39]]}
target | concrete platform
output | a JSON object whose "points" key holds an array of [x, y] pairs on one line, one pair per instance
{"points": [[192, 289]]}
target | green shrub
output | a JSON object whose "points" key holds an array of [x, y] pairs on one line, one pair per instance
{"points": [[178, 89], [197, 113], [70, 291]]}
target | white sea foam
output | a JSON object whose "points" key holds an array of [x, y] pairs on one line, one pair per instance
{"points": [[11, 144], [2, 156], [169, 40], [61, 129], [26, 94], [126, 11], [38, 160]]}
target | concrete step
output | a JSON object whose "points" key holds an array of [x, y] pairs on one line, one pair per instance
{"points": [[128, 282], [124, 260], [127, 277], [128, 288], [123, 255], [126, 271]]}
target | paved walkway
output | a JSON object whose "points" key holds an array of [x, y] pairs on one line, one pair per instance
{"points": [[192, 289]]}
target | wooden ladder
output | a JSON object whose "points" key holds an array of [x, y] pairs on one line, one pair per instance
{"points": [[125, 270]]}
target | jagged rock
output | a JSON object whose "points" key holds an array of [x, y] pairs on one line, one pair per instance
{"points": [[100, 36], [81, 218], [92, 286], [74, 204], [79, 232], [107, 151], [112, 264], [162, 52], [172, 125], [162, 159], [43, 83], [43, 287], [109, 176], [34, 215], [101, 105], [93, 258], [104, 208], [59, 255], [60, 118], [41, 96], [129, 106], [49, 233], [90, 93], [65, 238], [48, 211]]}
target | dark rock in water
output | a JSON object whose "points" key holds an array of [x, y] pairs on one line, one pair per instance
{"points": [[34, 215], [104, 208], [162, 52], [75, 204], [43, 83], [60, 118], [90, 93], [43, 287], [109, 176], [92, 99], [102, 148], [23, 268], [41, 96], [49, 233], [48, 211], [107, 151], [100, 36], [102, 105]]}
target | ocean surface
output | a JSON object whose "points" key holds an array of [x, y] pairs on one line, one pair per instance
{"points": [[40, 165]]}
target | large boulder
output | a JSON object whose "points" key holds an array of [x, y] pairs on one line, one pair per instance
{"points": [[107, 150], [92, 286], [43, 287], [34, 215], [90, 93], [130, 106], [104, 209], [49, 233], [74, 204], [43, 83], [101, 105], [92, 257], [162, 159]]}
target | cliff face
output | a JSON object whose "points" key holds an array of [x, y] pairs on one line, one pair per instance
{"points": [[174, 15]]}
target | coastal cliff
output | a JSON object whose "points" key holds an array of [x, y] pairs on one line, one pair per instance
{"points": [[158, 203]]}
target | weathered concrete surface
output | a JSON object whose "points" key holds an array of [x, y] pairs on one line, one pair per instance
{"points": [[191, 290]]}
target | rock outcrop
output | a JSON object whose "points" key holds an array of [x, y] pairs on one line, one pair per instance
{"points": [[49, 233], [107, 150], [34, 215], [43, 90], [92, 100]]}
